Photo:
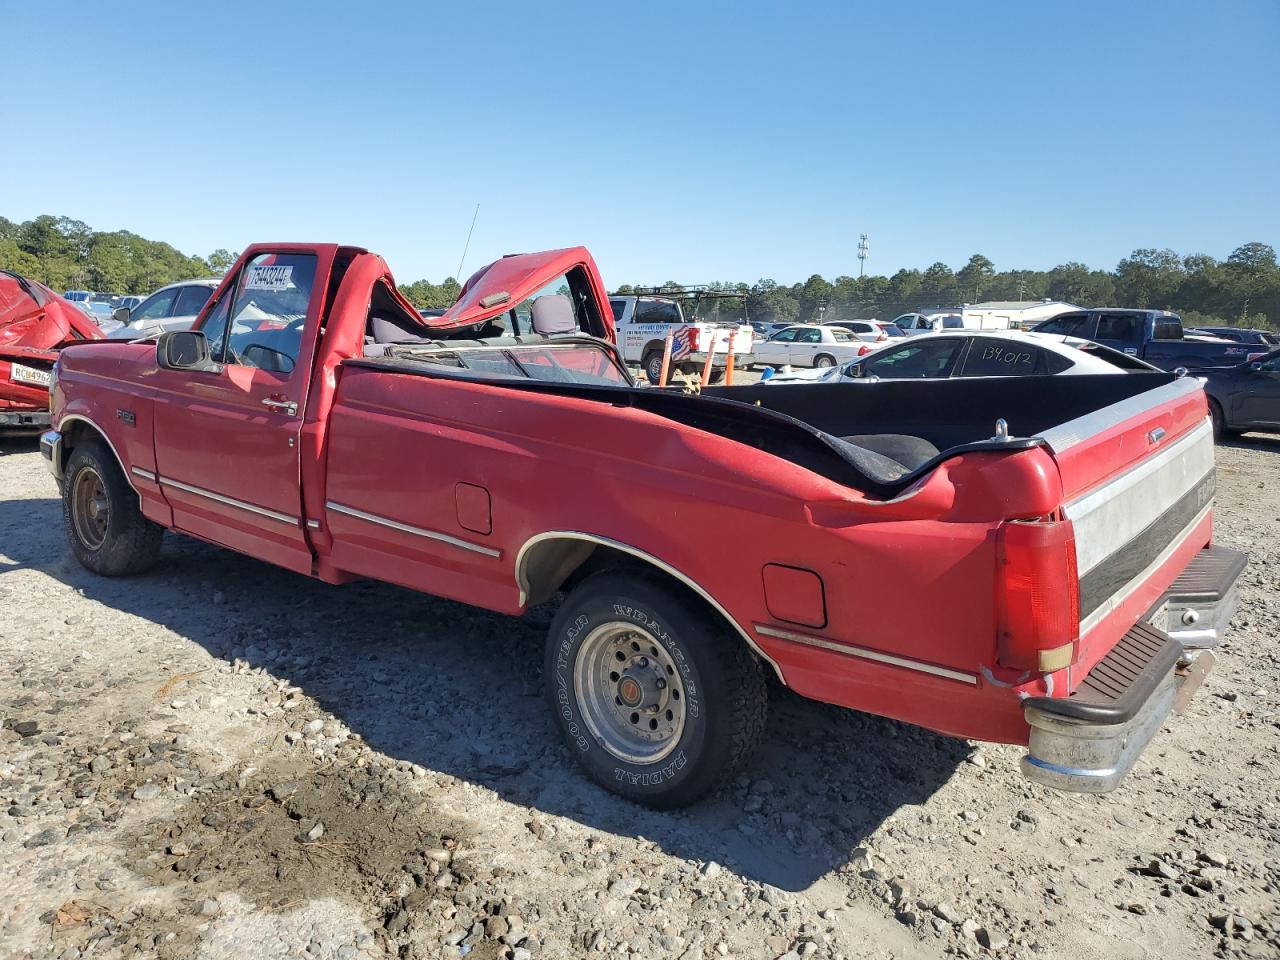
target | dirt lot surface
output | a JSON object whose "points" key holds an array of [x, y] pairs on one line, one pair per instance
{"points": [[222, 759]]}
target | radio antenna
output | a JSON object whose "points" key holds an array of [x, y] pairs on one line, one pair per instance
{"points": [[467, 245]]}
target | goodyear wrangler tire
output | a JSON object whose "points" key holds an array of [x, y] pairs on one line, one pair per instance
{"points": [[656, 697], [108, 533]]}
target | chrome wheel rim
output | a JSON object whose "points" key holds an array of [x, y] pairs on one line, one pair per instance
{"points": [[89, 508], [824, 362], [629, 692]]}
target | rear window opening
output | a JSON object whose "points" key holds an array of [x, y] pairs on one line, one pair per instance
{"points": [[564, 306]]}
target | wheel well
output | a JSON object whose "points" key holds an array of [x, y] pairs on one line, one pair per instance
{"points": [[653, 346], [76, 431], [552, 563]]}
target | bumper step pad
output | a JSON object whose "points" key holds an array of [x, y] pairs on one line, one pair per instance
{"points": [[1087, 742]]}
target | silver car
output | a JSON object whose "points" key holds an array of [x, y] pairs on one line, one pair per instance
{"points": [[174, 307]]}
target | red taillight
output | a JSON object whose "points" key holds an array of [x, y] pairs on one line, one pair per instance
{"points": [[693, 339], [1039, 596], [863, 350]]}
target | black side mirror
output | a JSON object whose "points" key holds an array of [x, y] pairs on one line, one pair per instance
{"points": [[1256, 365], [185, 350], [120, 314], [853, 370]]}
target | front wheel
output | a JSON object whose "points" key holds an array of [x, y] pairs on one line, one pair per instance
{"points": [[108, 533], [656, 697]]}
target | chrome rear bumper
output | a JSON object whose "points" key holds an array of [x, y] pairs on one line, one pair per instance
{"points": [[1087, 742], [1201, 602]]}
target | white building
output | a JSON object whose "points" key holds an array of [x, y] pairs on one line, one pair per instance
{"points": [[1012, 314]]}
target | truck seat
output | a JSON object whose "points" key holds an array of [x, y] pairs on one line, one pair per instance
{"points": [[553, 314], [389, 328]]}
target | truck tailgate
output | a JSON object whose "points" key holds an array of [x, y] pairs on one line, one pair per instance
{"points": [[1138, 480]]}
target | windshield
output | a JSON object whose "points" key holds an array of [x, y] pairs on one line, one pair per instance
{"points": [[577, 362], [893, 330]]}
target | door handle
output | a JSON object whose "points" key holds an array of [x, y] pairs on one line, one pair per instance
{"points": [[284, 406]]}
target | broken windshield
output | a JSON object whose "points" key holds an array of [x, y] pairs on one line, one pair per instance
{"points": [[579, 361]]}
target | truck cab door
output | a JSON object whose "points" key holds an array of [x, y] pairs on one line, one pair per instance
{"points": [[227, 439], [805, 347]]}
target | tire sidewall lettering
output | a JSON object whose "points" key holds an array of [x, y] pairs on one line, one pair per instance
{"points": [[565, 704]]}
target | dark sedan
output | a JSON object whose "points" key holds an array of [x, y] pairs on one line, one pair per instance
{"points": [[1244, 397]]}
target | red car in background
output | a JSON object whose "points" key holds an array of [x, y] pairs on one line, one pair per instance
{"points": [[35, 323]]}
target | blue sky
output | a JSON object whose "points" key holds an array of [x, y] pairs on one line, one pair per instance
{"points": [[685, 141]]}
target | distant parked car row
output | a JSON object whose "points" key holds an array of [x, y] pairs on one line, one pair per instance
{"points": [[174, 307], [131, 317]]}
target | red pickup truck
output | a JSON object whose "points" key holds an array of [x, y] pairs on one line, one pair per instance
{"points": [[1022, 560]]}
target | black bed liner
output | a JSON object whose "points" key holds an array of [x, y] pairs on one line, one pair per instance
{"points": [[804, 423]]}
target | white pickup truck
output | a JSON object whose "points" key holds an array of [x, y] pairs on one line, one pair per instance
{"points": [[642, 325]]}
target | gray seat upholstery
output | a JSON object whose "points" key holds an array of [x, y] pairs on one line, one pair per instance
{"points": [[388, 328], [553, 314]]}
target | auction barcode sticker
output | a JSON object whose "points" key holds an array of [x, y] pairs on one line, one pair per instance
{"points": [[269, 278]]}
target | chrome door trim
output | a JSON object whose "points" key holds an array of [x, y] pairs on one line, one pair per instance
{"points": [[1069, 434], [229, 501], [416, 531], [523, 583], [144, 474], [865, 654]]}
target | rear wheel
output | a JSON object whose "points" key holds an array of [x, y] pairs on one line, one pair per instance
{"points": [[1216, 418], [653, 367], [824, 360], [108, 533], [656, 698]]}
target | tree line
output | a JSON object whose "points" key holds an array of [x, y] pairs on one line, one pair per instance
{"points": [[1242, 290], [68, 254]]}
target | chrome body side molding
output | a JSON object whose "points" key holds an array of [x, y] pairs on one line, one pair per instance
{"points": [[864, 654], [416, 531], [230, 501]]}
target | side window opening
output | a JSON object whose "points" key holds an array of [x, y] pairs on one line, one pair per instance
{"points": [[155, 307], [656, 311], [388, 322], [191, 300], [1118, 326], [1070, 325], [263, 316], [1167, 328], [990, 357]]}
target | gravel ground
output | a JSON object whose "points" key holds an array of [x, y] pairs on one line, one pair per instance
{"points": [[223, 759]]}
